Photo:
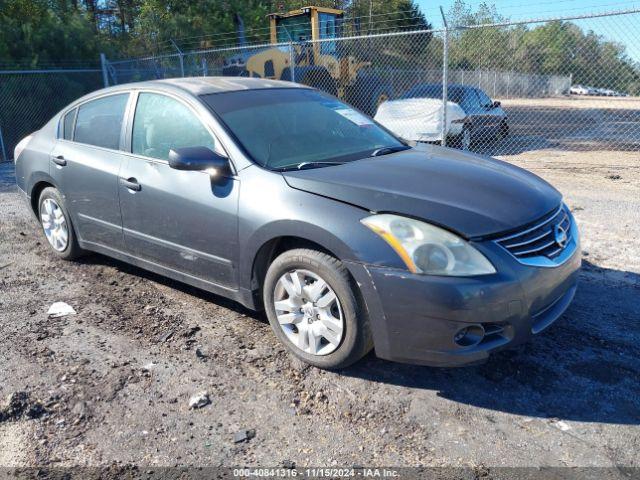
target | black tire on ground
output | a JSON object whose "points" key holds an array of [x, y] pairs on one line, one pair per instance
{"points": [[322, 80], [356, 341], [464, 140], [72, 250]]}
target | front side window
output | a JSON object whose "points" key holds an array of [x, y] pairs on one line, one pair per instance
{"points": [[293, 127], [162, 123], [99, 121], [469, 100], [294, 29], [328, 29]]}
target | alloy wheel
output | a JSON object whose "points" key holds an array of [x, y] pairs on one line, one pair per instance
{"points": [[54, 224], [309, 312]]}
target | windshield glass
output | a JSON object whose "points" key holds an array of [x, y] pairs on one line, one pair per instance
{"points": [[286, 128]]}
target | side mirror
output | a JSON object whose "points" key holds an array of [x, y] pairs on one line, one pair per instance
{"points": [[198, 159], [495, 104]]}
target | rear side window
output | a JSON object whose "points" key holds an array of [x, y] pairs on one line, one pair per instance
{"points": [[68, 123], [99, 121], [162, 123]]}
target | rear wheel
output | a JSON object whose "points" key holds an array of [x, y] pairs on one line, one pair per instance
{"points": [[56, 225], [313, 309]]}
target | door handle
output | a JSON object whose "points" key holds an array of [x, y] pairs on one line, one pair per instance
{"points": [[59, 160], [131, 184]]}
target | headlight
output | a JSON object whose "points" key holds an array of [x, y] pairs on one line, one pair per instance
{"points": [[427, 249]]}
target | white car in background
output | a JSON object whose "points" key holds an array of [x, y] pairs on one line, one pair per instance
{"points": [[471, 115], [579, 90], [420, 120]]}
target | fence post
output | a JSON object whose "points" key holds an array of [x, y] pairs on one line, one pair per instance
{"points": [[180, 56], [205, 67], [3, 150], [105, 73], [445, 79], [292, 63]]}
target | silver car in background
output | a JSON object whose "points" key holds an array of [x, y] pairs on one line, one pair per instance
{"points": [[471, 115]]}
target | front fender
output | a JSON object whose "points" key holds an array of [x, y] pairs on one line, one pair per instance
{"points": [[290, 228], [269, 209]]}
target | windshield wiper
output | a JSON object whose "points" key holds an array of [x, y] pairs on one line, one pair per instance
{"points": [[386, 150], [304, 165]]}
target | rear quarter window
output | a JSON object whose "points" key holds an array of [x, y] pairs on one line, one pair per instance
{"points": [[68, 123]]}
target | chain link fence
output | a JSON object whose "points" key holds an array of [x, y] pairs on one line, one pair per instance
{"points": [[568, 84], [29, 98]]}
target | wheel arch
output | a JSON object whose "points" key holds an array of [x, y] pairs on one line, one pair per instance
{"points": [[38, 185], [267, 247]]}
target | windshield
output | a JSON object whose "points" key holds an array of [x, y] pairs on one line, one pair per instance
{"points": [[297, 127]]}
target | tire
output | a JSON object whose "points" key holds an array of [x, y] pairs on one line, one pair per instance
{"points": [[51, 209], [355, 339], [464, 140], [504, 130]]}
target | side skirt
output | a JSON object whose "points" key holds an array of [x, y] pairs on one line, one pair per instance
{"points": [[241, 295]]}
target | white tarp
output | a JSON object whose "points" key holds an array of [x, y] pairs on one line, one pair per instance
{"points": [[419, 119]]}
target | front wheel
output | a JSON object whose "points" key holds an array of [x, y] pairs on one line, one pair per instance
{"points": [[504, 130], [313, 309], [463, 140]]}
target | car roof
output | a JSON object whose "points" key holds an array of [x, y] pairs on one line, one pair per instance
{"points": [[439, 85], [198, 85]]}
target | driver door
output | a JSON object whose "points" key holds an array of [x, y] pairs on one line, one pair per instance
{"points": [[180, 220]]}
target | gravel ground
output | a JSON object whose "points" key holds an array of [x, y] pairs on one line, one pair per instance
{"points": [[111, 385]]}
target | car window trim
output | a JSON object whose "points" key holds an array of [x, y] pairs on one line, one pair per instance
{"points": [[61, 124], [76, 105], [75, 121], [128, 147]]}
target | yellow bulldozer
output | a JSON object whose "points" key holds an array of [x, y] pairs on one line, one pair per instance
{"points": [[306, 49]]}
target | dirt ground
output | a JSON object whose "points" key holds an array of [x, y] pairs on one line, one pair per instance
{"points": [[111, 385]]}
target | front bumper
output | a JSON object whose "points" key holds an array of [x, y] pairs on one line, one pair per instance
{"points": [[414, 318]]}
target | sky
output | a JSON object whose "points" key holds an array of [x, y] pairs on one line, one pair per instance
{"points": [[622, 29]]}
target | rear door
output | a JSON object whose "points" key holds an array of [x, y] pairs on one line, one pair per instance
{"points": [[181, 220], [85, 164]]}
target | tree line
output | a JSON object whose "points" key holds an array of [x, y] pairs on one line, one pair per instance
{"points": [[55, 32], [63, 31]]}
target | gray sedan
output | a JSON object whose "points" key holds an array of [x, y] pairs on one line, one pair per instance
{"points": [[285, 199]]}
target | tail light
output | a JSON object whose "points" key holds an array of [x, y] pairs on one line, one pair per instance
{"points": [[20, 147]]}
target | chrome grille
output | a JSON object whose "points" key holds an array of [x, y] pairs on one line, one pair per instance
{"points": [[540, 240]]}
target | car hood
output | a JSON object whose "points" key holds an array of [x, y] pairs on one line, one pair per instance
{"points": [[472, 195]]}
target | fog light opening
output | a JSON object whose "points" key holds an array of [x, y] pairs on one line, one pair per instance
{"points": [[469, 336]]}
